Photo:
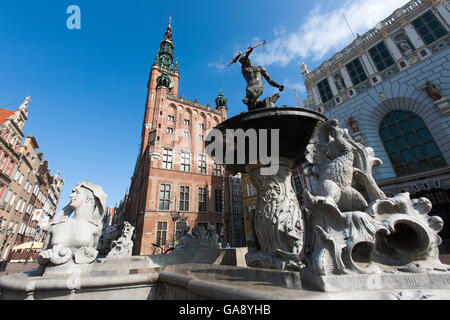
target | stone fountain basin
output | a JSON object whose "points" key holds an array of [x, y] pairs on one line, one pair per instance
{"points": [[207, 274], [295, 126]]}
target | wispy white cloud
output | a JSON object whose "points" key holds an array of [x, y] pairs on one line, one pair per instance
{"points": [[324, 31], [218, 65]]}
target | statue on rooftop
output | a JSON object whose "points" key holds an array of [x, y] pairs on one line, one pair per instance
{"points": [[253, 75]]}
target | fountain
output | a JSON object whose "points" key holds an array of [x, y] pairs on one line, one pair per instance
{"points": [[350, 241]]}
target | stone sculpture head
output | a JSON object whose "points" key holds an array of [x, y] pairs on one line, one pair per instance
{"points": [[88, 201]]}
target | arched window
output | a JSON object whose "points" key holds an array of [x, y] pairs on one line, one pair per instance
{"points": [[409, 144]]}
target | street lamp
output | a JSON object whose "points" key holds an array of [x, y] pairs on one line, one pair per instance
{"points": [[36, 236]]}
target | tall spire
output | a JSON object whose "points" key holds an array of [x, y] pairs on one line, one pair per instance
{"points": [[168, 34], [221, 101], [165, 53]]}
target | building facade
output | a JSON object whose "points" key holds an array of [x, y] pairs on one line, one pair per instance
{"points": [[236, 228], [174, 181], [390, 87], [29, 198]]}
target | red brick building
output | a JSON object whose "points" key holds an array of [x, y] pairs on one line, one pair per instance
{"points": [[173, 175]]}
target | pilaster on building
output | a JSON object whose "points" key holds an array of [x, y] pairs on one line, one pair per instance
{"points": [[174, 181]]}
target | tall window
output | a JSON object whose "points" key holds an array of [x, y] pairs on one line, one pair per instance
{"points": [[19, 203], [218, 205], [429, 28], [202, 200], [356, 71], [298, 186], [187, 122], [381, 56], [201, 163], [185, 161], [324, 90], [5, 201], [169, 130], [164, 197], [217, 169], [409, 144], [161, 233], [11, 201], [236, 207], [171, 118], [167, 158], [184, 198]]}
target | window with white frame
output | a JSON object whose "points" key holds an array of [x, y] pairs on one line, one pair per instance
{"points": [[202, 200], [164, 196], [167, 158], [184, 198], [185, 161], [202, 164], [429, 28], [161, 233]]}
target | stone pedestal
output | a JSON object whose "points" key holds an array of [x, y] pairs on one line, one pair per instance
{"points": [[277, 223], [443, 105]]}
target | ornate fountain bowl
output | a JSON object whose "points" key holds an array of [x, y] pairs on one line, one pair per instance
{"points": [[295, 126]]}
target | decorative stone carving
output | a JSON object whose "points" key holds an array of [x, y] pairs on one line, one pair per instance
{"points": [[432, 90], [277, 225], [351, 233], [123, 247], [339, 80], [403, 44], [200, 237], [443, 105], [357, 134], [74, 233]]}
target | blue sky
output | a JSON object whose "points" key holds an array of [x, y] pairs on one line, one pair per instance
{"points": [[88, 86]]}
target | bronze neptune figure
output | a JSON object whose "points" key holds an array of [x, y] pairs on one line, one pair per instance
{"points": [[253, 75]]}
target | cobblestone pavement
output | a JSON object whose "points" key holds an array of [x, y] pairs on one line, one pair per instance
{"points": [[20, 267]]}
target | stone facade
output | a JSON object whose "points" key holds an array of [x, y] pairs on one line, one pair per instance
{"points": [[172, 158], [400, 86], [29, 199]]}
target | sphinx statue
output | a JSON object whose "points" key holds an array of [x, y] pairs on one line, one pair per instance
{"points": [[352, 226], [74, 233]]}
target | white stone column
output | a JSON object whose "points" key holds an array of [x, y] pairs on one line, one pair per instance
{"points": [[316, 96], [413, 35], [443, 11], [369, 68], [346, 76], [393, 48], [333, 87]]}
